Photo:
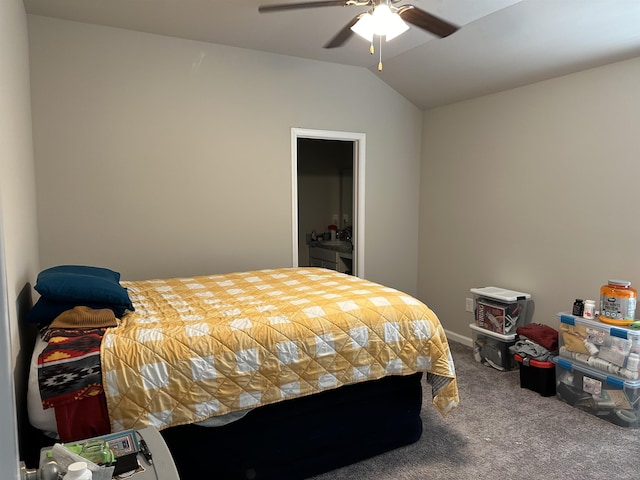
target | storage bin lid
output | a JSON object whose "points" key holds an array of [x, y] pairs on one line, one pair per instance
{"points": [[484, 331], [620, 332], [533, 363], [501, 294]]}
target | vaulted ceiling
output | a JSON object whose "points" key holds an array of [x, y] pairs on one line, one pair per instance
{"points": [[501, 44]]}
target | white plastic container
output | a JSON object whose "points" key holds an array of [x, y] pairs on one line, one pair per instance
{"points": [[78, 471], [500, 310]]}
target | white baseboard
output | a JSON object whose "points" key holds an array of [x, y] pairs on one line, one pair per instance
{"points": [[468, 341]]}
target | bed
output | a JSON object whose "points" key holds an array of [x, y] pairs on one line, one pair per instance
{"points": [[278, 373]]}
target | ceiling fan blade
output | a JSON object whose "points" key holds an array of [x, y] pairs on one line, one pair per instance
{"points": [[278, 7], [343, 35], [426, 21]]}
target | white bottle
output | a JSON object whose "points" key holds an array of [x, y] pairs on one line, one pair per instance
{"points": [[589, 309], [633, 361], [78, 471]]}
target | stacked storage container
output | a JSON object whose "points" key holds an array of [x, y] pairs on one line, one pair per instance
{"points": [[599, 346], [597, 369], [498, 312]]}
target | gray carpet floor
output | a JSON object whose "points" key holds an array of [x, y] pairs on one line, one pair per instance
{"points": [[503, 431]]}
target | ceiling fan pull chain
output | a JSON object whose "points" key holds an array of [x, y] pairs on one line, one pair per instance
{"points": [[380, 53], [371, 49]]}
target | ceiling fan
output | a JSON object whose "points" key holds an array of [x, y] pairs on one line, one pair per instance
{"points": [[407, 13]]}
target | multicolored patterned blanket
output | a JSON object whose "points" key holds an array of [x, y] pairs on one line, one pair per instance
{"points": [[69, 366], [209, 345]]}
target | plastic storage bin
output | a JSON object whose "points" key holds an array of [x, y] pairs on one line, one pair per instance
{"points": [[537, 376], [500, 310], [602, 347], [606, 396], [492, 349]]}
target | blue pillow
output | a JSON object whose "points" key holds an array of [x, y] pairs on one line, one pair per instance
{"points": [[82, 285], [45, 311], [99, 272]]}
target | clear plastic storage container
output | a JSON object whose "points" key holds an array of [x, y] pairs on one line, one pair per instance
{"points": [[606, 396], [602, 347], [500, 310], [492, 349]]}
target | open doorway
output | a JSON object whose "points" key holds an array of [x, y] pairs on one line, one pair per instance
{"points": [[328, 189]]}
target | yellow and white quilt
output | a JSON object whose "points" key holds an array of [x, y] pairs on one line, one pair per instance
{"points": [[210, 345]]}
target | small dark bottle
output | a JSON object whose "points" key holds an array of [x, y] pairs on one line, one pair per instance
{"points": [[578, 307]]}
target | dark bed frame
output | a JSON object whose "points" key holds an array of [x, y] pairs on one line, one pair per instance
{"points": [[303, 437]]}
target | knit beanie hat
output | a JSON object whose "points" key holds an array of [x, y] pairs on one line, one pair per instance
{"points": [[85, 317]]}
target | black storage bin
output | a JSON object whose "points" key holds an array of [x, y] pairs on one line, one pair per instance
{"points": [[537, 376]]}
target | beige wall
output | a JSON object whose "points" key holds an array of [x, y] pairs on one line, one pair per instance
{"points": [[17, 212], [17, 185], [533, 189], [164, 157]]}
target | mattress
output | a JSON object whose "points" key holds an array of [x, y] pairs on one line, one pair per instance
{"points": [[41, 418]]}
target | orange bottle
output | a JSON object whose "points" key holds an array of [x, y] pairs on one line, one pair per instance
{"points": [[617, 302]]}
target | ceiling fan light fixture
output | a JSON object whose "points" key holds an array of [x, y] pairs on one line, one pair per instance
{"points": [[382, 22], [388, 23], [364, 27]]}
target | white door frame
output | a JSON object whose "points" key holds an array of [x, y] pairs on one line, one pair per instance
{"points": [[359, 140]]}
